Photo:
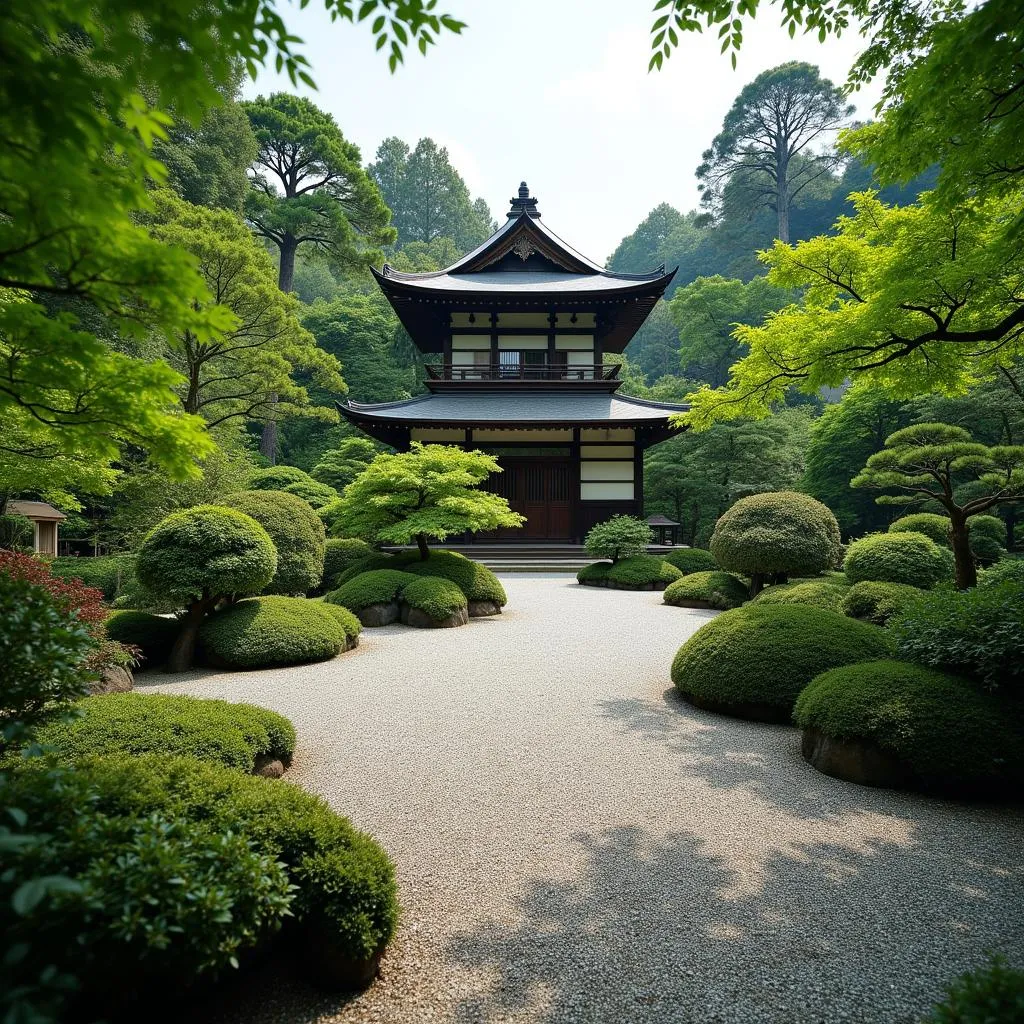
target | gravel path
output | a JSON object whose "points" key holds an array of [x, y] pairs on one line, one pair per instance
{"points": [[574, 844]]}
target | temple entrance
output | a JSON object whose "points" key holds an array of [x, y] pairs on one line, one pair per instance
{"points": [[541, 490]]}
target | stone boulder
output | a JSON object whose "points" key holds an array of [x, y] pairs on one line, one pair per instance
{"points": [[478, 609], [421, 620], [378, 614], [856, 760], [113, 679]]}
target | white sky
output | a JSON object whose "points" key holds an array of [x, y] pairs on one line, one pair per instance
{"points": [[556, 92]]}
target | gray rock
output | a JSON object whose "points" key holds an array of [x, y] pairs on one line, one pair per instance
{"points": [[856, 760], [378, 614], [421, 620], [268, 767], [113, 679], [478, 609]]}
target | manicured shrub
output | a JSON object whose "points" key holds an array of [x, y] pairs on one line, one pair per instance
{"points": [[1006, 570], [267, 631], [476, 581], [987, 536], [380, 586], [825, 592], [948, 734], [934, 526], [276, 478], [316, 495], [878, 602], [719, 590], [234, 735], [199, 557], [371, 563], [910, 558], [641, 572], [435, 596], [993, 994], [344, 904], [753, 661], [297, 533], [688, 560], [618, 537], [978, 633], [339, 554], [781, 533], [349, 623], [153, 635], [112, 575]]}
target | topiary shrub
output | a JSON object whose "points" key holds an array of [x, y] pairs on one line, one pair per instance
{"points": [[199, 557], [112, 575], [269, 631], [892, 723], [618, 537], [433, 601], [641, 572], [208, 880], [349, 623], [1006, 570], [236, 735], [315, 494], [978, 633], [778, 534], [934, 526], [688, 560], [154, 635], [910, 558], [276, 478], [876, 602], [987, 536], [482, 588], [297, 533], [826, 592], [753, 661], [993, 994], [371, 563], [719, 590], [339, 554], [373, 596]]}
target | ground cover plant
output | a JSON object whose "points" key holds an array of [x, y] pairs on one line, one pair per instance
{"points": [[379, 586], [825, 592], [234, 735], [878, 602], [476, 581], [719, 590], [688, 560], [944, 733], [264, 632], [640, 572], [910, 558], [752, 662], [438, 600], [153, 635], [993, 994]]}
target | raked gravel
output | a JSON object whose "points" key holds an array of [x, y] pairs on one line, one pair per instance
{"points": [[575, 844]]}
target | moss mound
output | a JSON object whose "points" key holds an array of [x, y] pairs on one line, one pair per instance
{"points": [[689, 560], [826, 592], [719, 590], [339, 554], [910, 558], [476, 581], [753, 661], [234, 735], [373, 562], [153, 634], [878, 602], [436, 597], [349, 623], [641, 572], [949, 735], [276, 478], [267, 631], [379, 586]]}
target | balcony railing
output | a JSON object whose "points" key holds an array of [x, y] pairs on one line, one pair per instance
{"points": [[523, 371]]}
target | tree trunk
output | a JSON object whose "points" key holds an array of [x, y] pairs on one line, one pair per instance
{"points": [[268, 439], [966, 573], [782, 208], [421, 543], [183, 651], [286, 272], [1011, 527], [756, 583]]}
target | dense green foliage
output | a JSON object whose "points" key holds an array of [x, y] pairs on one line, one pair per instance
{"points": [[378, 560], [476, 581], [701, 589], [348, 622], [110, 574], [978, 632], [931, 524], [338, 467], [878, 602], [1004, 571], [691, 560], [618, 537], [134, 723], [637, 573], [826, 592], [434, 596], [277, 478], [339, 554], [297, 533], [993, 994], [264, 632], [947, 732], [316, 495], [154, 635], [776, 533], [910, 558], [753, 661], [379, 586]]}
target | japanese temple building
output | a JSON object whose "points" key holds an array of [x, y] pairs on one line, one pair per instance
{"points": [[514, 336]]}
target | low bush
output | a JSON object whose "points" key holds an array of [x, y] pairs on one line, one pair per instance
{"points": [[987, 536], [934, 526], [349, 623], [276, 478], [315, 494], [878, 602], [267, 631], [618, 537], [476, 581], [1006, 570], [993, 994], [371, 563], [688, 560], [380, 586], [719, 590], [339, 554], [910, 558], [641, 572], [112, 575], [950, 736], [435, 596], [825, 592], [977, 632], [234, 735], [189, 865], [153, 634], [753, 661]]}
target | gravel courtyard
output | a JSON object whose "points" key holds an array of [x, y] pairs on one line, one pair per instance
{"points": [[575, 844]]}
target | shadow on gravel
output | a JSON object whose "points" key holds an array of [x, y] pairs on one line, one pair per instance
{"points": [[655, 930]]}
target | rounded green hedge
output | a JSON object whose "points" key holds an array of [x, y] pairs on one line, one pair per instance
{"points": [[153, 634], [435, 596], [373, 562], [753, 661], [339, 554], [826, 592], [1006, 570], [910, 558], [641, 572], [349, 623], [380, 586], [267, 631], [934, 526], [878, 602], [142, 723], [297, 533], [112, 574], [688, 560], [276, 478], [476, 581], [315, 494], [950, 735], [719, 590]]}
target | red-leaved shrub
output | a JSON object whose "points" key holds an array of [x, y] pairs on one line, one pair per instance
{"points": [[69, 595]]}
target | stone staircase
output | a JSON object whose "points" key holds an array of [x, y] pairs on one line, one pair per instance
{"points": [[502, 558]]}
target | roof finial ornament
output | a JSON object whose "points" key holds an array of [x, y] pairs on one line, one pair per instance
{"points": [[524, 191], [524, 203]]}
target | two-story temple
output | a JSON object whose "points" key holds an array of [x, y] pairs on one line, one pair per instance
{"points": [[518, 330]]}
